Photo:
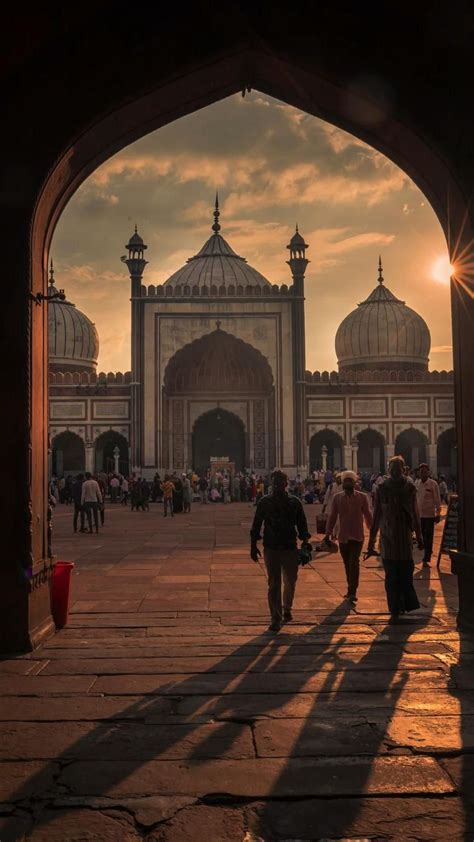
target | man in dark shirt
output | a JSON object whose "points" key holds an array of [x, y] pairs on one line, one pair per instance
{"points": [[283, 518]]}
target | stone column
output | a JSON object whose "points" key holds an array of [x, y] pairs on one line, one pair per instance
{"points": [[355, 449], [324, 457], [389, 451], [116, 460], [90, 453], [347, 463], [433, 459]]}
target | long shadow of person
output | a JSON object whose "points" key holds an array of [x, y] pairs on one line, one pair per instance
{"points": [[330, 757], [458, 732], [98, 763]]}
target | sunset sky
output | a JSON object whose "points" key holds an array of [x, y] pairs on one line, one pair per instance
{"points": [[273, 166]]}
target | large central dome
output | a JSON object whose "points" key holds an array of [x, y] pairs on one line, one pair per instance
{"points": [[383, 333], [217, 264]]}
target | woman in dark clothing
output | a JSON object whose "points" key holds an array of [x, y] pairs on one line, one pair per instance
{"points": [[177, 495], [396, 515]]}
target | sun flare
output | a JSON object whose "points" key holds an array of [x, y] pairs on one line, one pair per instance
{"points": [[442, 269]]}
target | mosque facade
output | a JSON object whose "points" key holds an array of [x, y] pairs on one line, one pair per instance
{"points": [[218, 376]]}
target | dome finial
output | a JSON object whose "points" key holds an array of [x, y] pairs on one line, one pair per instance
{"points": [[51, 273], [136, 229], [216, 227], [380, 270]]}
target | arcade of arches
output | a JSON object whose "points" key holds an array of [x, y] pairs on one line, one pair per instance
{"points": [[119, 112], [70, 454], [369, 452]]}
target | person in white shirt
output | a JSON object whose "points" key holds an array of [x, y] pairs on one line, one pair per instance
{"points": [[124, 490], [429, 504], [91, 499]]}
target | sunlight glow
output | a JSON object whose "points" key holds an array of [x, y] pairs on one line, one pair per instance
{"points": [[442, 269]]}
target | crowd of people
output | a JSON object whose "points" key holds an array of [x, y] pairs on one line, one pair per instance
{"points": [[403, 506]]}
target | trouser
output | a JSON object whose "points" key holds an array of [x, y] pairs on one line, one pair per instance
{"points": [[113, 494], [280, 563], [203, 495], [78, 510], [102, 513], [350, 553], [124, 498], [92, 509], [168, 502], [427, 531], [401, 594]]}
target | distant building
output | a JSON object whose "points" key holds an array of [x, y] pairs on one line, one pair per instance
{"points": [[218, 372]]}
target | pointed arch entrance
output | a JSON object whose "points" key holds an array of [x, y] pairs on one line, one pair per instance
{"points": [[95, 127], [218, 433], [218, 401]]}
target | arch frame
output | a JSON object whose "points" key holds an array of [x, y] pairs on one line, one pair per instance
{"points": [[67, 156]]}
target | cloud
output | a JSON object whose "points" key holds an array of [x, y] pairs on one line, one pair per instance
{"points": [[274, 165]]}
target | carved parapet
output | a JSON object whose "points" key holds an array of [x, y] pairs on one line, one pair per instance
{"points": [[379, 376], [223, 291]]}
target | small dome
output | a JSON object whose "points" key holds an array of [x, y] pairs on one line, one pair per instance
{"points": [[73, 341], [297, 242], [217, 264], [383, 333]]}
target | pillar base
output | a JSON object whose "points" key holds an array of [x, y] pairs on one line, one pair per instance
{"points": [[25, 611], [463, 566]]}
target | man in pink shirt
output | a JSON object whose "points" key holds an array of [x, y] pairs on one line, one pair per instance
{"points": [[352, 508]]}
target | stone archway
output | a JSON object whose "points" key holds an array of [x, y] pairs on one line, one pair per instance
{"points": [[105, 445], [335, 450], [371, 451], [94, 127], [219, 369], [412, 444], [218, 433], [447, 454], [68, 454]]}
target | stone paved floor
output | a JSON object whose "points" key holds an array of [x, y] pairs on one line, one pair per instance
{"points": [[165, 711]]}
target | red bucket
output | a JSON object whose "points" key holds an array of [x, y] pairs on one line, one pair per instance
{"points": [[60, 585]]}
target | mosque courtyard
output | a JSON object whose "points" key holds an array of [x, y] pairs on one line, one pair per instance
{"points": [[166, 711]]}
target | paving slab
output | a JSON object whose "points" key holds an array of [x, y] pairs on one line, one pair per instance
{"points": [[167, 711], [260, 778]]}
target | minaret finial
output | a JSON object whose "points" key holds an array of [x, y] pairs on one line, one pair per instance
{"points": [[380, 270], [216, 227], [297, 228], [136, 229], [51, 273]]}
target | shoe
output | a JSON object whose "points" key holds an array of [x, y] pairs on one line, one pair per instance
{"points": [[393, 619], [426, 564], [352, 597], [287, 616], [274, 627]]}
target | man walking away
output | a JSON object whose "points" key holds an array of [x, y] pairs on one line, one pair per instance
{"points": [[429, 505], [396, 514], [352, 508], [168, 488], [202, 485], [91, 498], [76, 498], [283, 518], [124, 492]]}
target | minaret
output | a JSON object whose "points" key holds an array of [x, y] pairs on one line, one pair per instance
{"points": [[136, 263], [298, 263]]}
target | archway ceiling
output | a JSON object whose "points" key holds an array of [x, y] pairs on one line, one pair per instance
{"points": [[218, 362], [332, 67]]}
